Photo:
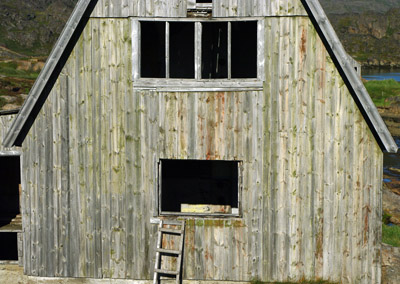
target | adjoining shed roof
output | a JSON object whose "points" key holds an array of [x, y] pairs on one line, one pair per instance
{"points": [[80, 17]]}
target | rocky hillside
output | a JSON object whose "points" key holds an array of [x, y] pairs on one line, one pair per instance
{"points": [[371, 38], [358, 6], [31, 27]]}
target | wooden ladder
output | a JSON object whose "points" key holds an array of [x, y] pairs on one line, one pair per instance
{"points": [[160, 251]]}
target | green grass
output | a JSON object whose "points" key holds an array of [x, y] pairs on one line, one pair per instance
{"points": [[300, 282], [380, 91], [391, 235], [9, 69]]}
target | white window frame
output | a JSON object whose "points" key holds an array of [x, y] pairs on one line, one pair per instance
{"points": [[172, 84]]}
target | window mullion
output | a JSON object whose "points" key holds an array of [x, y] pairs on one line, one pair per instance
{"points": [[197, 52], [167, 50], [229, 50]]}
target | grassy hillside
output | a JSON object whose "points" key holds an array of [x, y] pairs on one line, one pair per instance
{"points": [[31, 27]]}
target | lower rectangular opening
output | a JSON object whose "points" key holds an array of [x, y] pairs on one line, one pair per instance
{"points": [[9, 247], [199, 187], [10, 218]]}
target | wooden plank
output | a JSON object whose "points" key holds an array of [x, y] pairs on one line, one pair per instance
{"points": [[119, 78], [73, 202], [78, 131], [64, 258], [131, 161], [56, 176], [88, 162], [26, 184], [49, 194], [95, 125], [105, 146]]}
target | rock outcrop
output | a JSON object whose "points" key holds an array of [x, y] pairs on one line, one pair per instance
{"points": [[31, 27], [391, 204], [390, 264], [371, 38]]}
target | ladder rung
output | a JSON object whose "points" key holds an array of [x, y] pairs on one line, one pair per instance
{"points": [[171, 231], [173, 222], [166, 272], [168, 251]]}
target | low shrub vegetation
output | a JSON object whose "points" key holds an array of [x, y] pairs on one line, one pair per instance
{"points": [[391, 235], [9, 69]]}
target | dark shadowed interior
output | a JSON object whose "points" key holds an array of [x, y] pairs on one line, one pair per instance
{"points": [[181, 49], [8, 247], [9, 209], [214, 50], [198, 182], [9, 188], [244, 49], [152, 49]]}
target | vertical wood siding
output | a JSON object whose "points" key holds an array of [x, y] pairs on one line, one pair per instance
{"points": [[312, 170], [5, 123], [140, 8], [178, 8], [240, 8]]}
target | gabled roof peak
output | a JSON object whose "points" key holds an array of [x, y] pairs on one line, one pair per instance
{"points": [[79, 18]]}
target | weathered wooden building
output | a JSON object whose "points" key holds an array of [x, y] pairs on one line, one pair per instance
{"points": [[144, 106]]}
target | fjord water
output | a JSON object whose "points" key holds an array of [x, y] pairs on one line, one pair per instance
{"points": [[381, 74]]}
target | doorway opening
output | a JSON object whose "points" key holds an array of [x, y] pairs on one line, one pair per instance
{"points": [[10, 218]]}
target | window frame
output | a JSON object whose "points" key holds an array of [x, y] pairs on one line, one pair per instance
{"points": [[160, 213], [176, 84]]}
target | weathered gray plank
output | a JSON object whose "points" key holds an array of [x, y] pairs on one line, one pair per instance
{"points": [[105, 147], [95, 125], [141, 8]]}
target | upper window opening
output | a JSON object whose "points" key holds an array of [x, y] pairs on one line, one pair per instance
{"points": [[181, 49], [244, 49], [214, 50], [199, 187], [153, 49], [198, 50]]}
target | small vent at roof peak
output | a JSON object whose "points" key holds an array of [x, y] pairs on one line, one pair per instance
{"points": [[200, 5]]}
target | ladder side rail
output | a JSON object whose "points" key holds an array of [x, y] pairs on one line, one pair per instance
{"points": [[179, 260], [158, 256]]}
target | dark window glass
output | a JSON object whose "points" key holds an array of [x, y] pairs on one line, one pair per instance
{"points": [[203, 1], [214, 50], [152, 49], [181, 49], [244, 50], [198, 182]]}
